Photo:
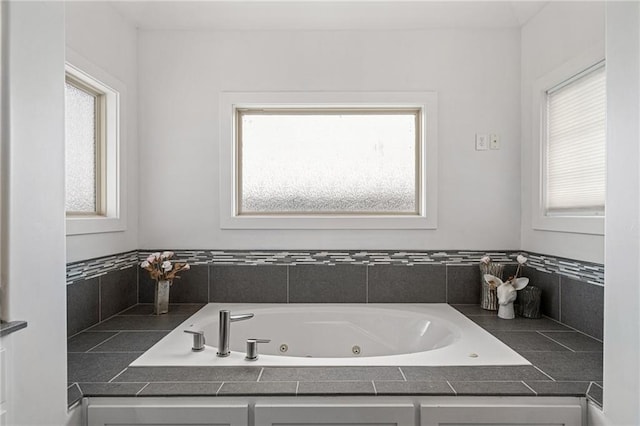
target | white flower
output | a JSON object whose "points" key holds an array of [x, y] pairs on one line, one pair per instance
{"points": [[186, 267], [167, 266], [151, 258], [521, 259], [144, 264], [166, 255], [156, 255], [485, 259]]}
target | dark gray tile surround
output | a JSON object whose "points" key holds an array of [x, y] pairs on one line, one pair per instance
{"points": [[7, 328], [557, 370], [96, 291], [248, 284], [332, 277]]}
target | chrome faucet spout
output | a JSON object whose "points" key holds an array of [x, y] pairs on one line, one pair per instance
{"points": [[240, 317], [224, 335]]}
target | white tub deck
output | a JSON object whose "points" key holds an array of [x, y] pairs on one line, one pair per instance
{"points": [[325, 335]]}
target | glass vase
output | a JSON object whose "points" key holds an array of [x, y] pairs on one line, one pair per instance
{"points": [[161, 302]]}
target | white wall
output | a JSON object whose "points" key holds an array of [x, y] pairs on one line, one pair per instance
{"points": [[98, 33], [562, 31], [622, 293], [33, 241], [475, 72]]}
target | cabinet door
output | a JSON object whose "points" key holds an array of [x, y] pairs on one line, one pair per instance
{"points": [[501, 415], [167, 415], [334, 414]]}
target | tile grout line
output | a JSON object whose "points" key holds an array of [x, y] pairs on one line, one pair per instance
{"points": [[403, 376], [543, 372], [451, 386], [366, 284], [571, 329], [446, 283], [143, 388], [137, 285], [116, 376], [555, 341], [588, 388], [523, 382], [104, 341], [99, 300], [560, 297]]}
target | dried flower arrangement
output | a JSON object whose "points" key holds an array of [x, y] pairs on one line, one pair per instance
{"points": [[161, 268], [486, 260]]}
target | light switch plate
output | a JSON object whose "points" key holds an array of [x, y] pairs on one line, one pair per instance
{"points": [[482, 142]]}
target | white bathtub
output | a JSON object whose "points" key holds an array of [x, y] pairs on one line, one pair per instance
{"points": [[331, 335]]}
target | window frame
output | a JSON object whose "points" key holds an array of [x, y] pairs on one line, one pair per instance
{"points": [[100, 142], [240, 112], [231, 102], [570, 222], [112, 214]]}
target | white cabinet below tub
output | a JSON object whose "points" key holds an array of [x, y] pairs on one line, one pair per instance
{"points": [[335, 414], [503, 411], [335, 411], [173, 412]]}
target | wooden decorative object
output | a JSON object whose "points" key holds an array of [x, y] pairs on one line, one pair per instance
{"points": [[489, 299]]}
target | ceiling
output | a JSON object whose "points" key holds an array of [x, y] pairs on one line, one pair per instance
{"points": [[325, 14]]}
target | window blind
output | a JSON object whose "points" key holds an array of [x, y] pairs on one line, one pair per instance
{"points": [[575, 145]]}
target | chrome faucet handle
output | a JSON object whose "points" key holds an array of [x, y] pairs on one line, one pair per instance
{"points": [[252, 348], [198, 340]]}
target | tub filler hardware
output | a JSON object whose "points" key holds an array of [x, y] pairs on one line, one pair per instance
{"points": [[356, 350], [198, 340], [224, 334], [252, 348], [284, 348]]}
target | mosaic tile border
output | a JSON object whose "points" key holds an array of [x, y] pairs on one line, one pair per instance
{"points": [[91, 268], [592, 273], [335, 257]]}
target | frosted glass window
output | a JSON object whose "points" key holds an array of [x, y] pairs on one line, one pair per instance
{"points": [[576, 141], [328, 161], [81, 124]]}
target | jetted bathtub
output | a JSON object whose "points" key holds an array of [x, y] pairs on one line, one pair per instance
{"points": [[433, 334]]}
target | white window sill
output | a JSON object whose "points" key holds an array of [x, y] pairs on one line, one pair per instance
{"points": [[571, 224], [327, 222], [94, 225]]}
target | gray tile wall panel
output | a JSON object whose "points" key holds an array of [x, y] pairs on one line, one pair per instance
{"points": [[415, 284], [549, 283], [83, 305], [248, 284], [582, 306], [328, 284], [118, 291]]}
